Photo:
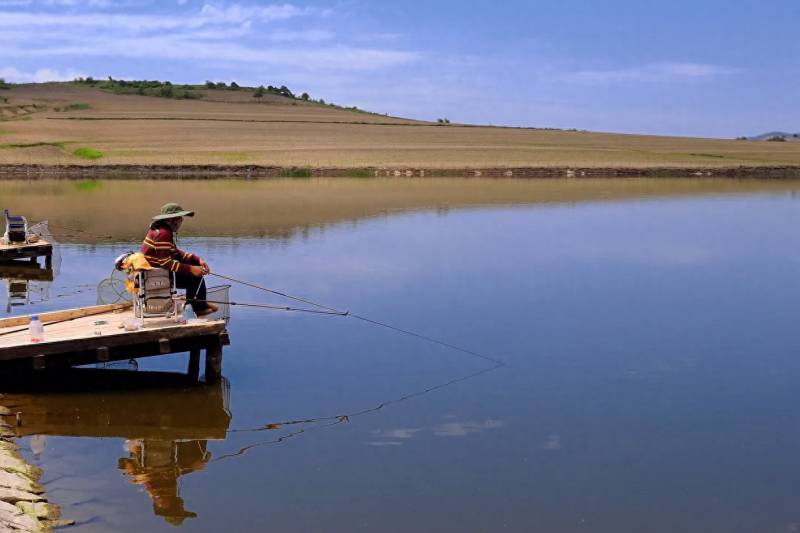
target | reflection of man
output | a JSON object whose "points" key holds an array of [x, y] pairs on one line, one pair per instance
{"points": [[157, 465]]}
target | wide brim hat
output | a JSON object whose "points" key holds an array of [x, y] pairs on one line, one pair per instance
{"points": [[173, 210]]}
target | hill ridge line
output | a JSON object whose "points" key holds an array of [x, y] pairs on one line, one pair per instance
{"points": [[123, 171]]}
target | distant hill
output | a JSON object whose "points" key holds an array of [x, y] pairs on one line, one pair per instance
{"points": [[156, 123], [774, 134]]}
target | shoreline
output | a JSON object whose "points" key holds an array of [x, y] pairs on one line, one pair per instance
{"points": [[28, 171], [24, 506]]}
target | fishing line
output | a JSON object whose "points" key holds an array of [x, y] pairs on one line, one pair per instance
{"points": [[346, 417], [335, 420], [334, 311]]}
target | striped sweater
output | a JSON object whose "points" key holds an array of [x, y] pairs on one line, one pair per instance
{"points": [[160, 250]]}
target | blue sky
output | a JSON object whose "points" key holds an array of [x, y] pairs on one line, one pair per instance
{"points": [[703, 67]]}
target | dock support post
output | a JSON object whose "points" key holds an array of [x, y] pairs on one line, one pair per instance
{"points": [[194, 365], [213, 362]]}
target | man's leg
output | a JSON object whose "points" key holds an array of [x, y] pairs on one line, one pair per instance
{"points": [[195, 290]]}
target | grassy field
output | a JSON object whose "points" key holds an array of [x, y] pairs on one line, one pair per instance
{"points": [[60, 123]]}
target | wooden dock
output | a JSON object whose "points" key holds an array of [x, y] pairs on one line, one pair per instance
{"points": [[32, 251], [95, 334]]}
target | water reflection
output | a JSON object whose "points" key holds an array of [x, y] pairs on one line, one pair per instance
{"points": [[165, 417], [157, 465], [282, 208], [449, 428], [25, 283]]}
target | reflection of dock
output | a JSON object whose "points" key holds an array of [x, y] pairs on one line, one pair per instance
{"points": [[167, 419], [95, 334], [90, 402], [32, 251], [18, 276], [21, 270]]}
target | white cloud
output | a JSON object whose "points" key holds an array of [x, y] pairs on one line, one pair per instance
{"points": [[209, 15], [14, 75], [225, 34], [181, 47], [238, 14], [652, 72], [312, 36], [59, 3]]}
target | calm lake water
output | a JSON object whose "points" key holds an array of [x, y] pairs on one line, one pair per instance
{"points": [[648, 330]]}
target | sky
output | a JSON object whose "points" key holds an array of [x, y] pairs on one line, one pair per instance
{"points": [[709, 68]]}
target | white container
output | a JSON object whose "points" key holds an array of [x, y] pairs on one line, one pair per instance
{"points": [[132, 324], [188, 313], [36, 329]]}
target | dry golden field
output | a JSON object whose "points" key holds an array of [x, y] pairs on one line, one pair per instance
{"points": [[232, 128]]}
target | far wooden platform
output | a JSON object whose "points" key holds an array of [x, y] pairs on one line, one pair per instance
{"points": [[73, 337], [40, 248]]}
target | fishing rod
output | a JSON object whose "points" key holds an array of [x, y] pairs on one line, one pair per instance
{"points": [[335, 311], [268, 306], [278, 293]]}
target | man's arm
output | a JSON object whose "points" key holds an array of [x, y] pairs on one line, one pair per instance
{"points": [[188, 258]]}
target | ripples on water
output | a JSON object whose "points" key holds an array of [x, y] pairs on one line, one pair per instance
{"points": [[648, 328]]}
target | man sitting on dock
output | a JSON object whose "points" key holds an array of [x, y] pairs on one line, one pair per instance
{"points": [[160, 251]]}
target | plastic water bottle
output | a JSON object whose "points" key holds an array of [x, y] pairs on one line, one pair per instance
{"points": [[36, 329], [188, 313]]}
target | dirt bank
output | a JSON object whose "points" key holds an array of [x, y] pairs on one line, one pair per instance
{"points": [[17, 171], [23, 503]]}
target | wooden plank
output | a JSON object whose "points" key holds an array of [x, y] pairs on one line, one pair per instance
{"points": [[213, 363], [92, 342], [67, 314], [103, 354], [194, 365], [163, 345], [129, 351], [38, 245]]}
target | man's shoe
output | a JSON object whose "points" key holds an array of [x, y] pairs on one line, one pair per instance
{"points": [[211, 308]]}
